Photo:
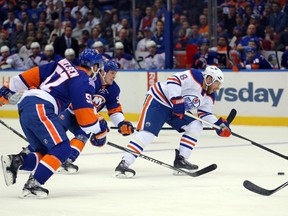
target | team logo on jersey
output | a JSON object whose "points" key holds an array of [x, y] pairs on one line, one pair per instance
{"points": [[147, 124], [191, 102], [98, 100]]}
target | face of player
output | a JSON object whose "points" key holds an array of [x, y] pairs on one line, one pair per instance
{"points": [[214, 86], [110, 77]]}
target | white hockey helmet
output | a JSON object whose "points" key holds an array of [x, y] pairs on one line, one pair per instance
{"points": [[215, 73], [69, 52]]}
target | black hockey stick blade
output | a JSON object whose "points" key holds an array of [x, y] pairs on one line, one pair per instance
{"points": [[192, 174], [262, 191], [230, 118]]}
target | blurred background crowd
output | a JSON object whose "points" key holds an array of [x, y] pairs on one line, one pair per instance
{"points": [[251, 34]]}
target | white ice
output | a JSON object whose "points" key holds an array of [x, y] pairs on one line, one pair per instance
{"points": [[154, 191]]}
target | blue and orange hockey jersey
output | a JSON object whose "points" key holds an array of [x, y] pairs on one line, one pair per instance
{"points": [[61, 83]]}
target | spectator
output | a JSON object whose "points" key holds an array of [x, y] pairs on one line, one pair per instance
{"points": [[70, 55], [10, 61], [147, 20], [141, 45], [154, 60], [4, 38], [158, 36], [107, 19], [57, 30], [66, 41], [116, 25], [95, 36], [44, 30], [284, 39], [108, 38], [181, 41], [24, 20], [125, 60], [255, 20], [10, 23], [221, 49], [230, 20], [195, 37], [278, 19], [204, 56], [91, 20], [68, 18], [270, 39], [254, 60], [25, 50], [203, 28], [284, 60], [84, 38], [18, 34], [79, 7], [77, 32], [99, 46], [34, 59], [123, 37], [49, 55], [34, 11]]}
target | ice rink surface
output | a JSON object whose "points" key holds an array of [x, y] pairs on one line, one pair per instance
{"points": [[154, 191]]}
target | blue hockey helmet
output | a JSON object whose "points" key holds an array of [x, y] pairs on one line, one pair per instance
{"points": [[89, 57], [110, 65]]}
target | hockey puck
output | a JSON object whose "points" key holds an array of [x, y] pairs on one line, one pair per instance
{"points": [[281, 173]]}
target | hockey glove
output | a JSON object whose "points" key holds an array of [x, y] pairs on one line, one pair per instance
{"points": [[125, 128], [224, 130], [5, 94], [99, 139], [178, 106]]}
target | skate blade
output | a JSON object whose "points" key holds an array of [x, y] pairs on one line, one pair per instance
{"points": [[26, 194], [178, 173], [8, 176], [126, 175]]}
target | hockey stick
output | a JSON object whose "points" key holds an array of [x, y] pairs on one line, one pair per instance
{"points": [[239, 136], [13, 130], [262, 191], [230, 118], [192, 174]]}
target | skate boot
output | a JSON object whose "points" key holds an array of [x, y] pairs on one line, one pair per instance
{"points": [[123, 171], [10, 166], [68, 167], [33, 189], [181, 163]]}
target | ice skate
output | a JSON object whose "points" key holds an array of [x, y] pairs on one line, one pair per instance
{"points": [[181, 163], [123, 171], [10, 166], [68, 167], [33, 189]]}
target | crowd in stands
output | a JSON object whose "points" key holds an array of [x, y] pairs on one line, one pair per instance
{"points": [[39, 31]]}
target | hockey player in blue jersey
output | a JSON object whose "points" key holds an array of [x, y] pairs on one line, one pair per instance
{"points": [[106, 95], [166, 102], [48, 90]]}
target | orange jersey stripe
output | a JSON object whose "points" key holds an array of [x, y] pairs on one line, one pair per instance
{"points": [[48, 124], [175, 80], [143, 113], [115, 110], [188, 142], [32, 77], [85, 116], [77, 144], [50, 161], [134, 149]]}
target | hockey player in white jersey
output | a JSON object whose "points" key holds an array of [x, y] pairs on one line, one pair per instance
{"points": [[166, 102]]}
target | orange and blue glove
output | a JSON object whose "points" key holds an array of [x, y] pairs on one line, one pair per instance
{"points": [[5, 94], [178, 108], [125, 128], [99, 139], [224, 130]]}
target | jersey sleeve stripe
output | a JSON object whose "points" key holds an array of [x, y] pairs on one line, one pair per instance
{"points": [[85, 117], [31, 77], [115, 110], [160, 93]]}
